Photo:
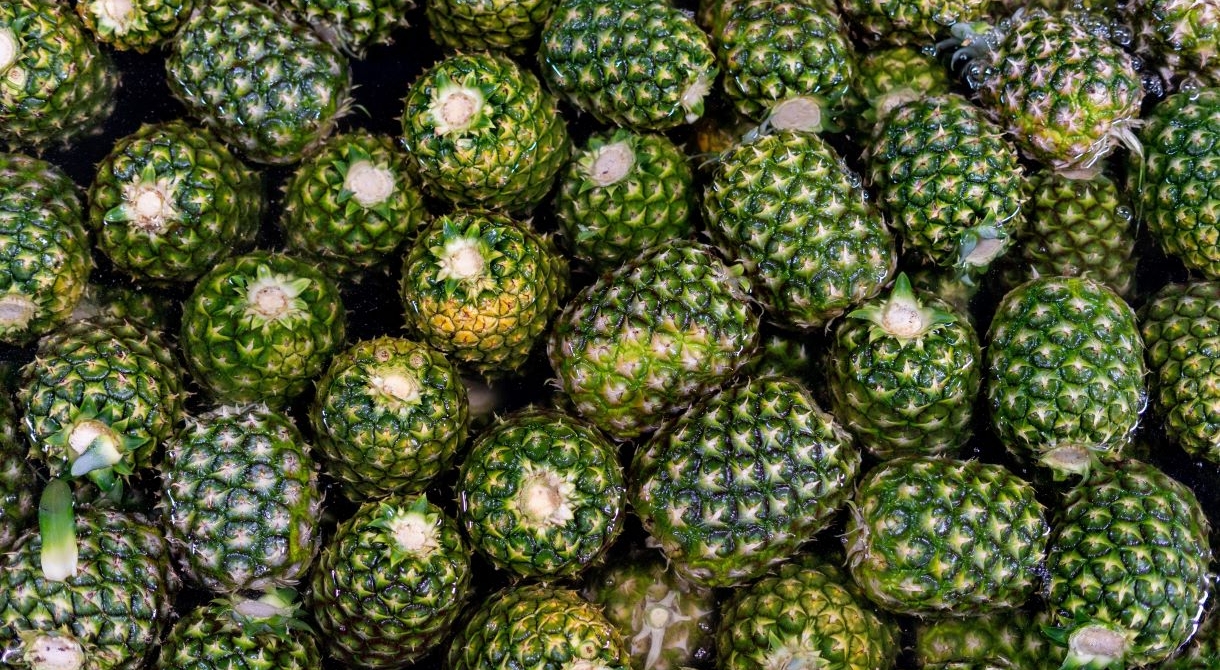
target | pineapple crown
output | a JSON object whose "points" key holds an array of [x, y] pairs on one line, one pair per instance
{"points": [[275, 613], [410, 530], [608, 160], [902, 314], [366, 183], [272, 297], [1092, 644], [465, 256], [459, 108], [53, 650]]}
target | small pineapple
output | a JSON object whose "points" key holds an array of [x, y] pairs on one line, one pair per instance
{"points": [[640, 64], [910, 22], [1007, 640], [1065, 373], [508, 26], [790, 210], [484, 132], [242, 634], [170, 200], [1181, 36], [389, 416], [260, 327], [1128, 568], [889, 76], [240, 499], [352, 204], [45, 259], [263, 82], [742, 479], [541, 494], [58, 84], [646, 339], [135, 25], [482, 288], [935, 536], [390, 584], [353, 27]]}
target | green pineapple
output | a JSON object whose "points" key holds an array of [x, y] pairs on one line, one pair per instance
{"points": [[45, 258], [390, 584], [508, 26], [353, 27], [106, 611], [889, 76], [541, 494], [623, 192], [949, 179], [482, 288], [666, 621], [640, 64], [170, 200], [389, 416], [58, 84], [936, 536], [786, 353], [18, 483], [910, 22], [1065, 94], [261, 327], [120, 301], [484, 132], [1202, 650], [1128, 568], [242, 634], [1174, 186], [1008, 640], [1181, 36], [742, 479], [789, 209], [786, 63], [537, 626], [1065, 373], [904, 374], [240, 499], [98, 400], [135, 25], [803, 616], [352, 204], [645, 340], [264, 83], [1180, 325]]}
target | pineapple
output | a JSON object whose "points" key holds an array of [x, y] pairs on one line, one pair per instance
{"points": [[640, 64], [481, 288], [352, 204], [1065, 374], [904, 374], [120, 301], [949, 179], [1180, 325], [742, 479], [241, 634], [484, 132], [389, 416], [260, 327], [1181, 36], [106, 612], [537, 626], [889, 76], [240, 499], [1202, 650], [58, 84], [1128, 568], [353, 27], [541, 494], [139, 25], [1007, 640], [666, 621], [170, 200], [17, 479], [1174, 184], [648, 338], [263, 82], [788, 208], [45, 259], [508, 26], [623, 192], [936, 536], [909, 22], [803, 616], [391, 583]]}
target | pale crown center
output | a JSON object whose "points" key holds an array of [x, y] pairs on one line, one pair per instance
{"points": [[370, 184], [612, 163]]}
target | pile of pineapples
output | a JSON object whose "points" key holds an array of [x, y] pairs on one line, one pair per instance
{"points": [[609, 334]]}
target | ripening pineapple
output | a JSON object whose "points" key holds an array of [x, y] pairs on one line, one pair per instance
{"points": [[260, 327], [242, 634], [1128, 568], [353, 27], [1001, 641], [481, 288], [889, 76], [136, 25], [646, 339], [45, 259], [789, 209], [264, 83], [935, 536], [1181, 36], [240, 499], [910, 22], [170, 200], [484, 132], [389, 416], [509, 26], [58, 84], [1065, 373], [641, 64], [742, 479], [391, 583]]}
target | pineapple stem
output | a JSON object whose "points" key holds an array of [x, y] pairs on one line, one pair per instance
{"points": [[115, 14], [57, 526], [801, 113], [611, 163], [692, 98], [52, 650], [1097, 647], [462, 259], [95, 446], [16, 311], [370, 184], [8, 48]]}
